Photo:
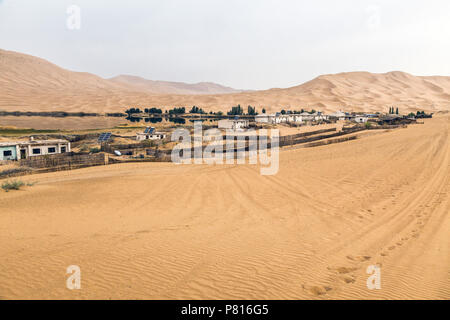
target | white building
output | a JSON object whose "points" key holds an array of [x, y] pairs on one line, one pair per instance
{"points": [[339, 115], [360, 119], [150, 134], [263, 118], [235, 124], [25, 149], [276, 118]]}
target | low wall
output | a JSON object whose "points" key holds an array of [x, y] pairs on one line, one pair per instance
{"points": [[68, 160]]}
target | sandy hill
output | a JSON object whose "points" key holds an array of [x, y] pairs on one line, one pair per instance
{"points": [[167, 231], [168, 87], [33, 84]]}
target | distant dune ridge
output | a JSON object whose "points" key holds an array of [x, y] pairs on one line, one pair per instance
{"points": [[32, 84], [167, 87]]}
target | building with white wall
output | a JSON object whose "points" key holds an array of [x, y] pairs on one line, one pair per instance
{"points": [[235, 124], [25, 149], [150, 134], [360, 119]]}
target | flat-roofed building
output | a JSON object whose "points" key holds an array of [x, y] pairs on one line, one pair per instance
{"points": [[234, 124], [150, 134], [16, 150]]}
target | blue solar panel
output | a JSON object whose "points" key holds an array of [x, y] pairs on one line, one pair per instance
{"points": [[104, 137], [149, 130]]}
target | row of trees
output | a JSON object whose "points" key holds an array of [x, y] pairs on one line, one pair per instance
{"points": [[133, 110], [420, 115], [239, 111], [175, 110], [392, 111], [197, 110], [235, 111]]}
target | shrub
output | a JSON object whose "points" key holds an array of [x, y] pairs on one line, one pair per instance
{"points": [[84, 148], [149, 143], [12, 185]]}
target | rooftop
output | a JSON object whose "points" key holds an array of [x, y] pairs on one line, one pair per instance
{"points": [[32, 142]]}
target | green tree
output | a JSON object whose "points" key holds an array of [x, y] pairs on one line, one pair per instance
{"points": [[236, 111], [251, 111]]}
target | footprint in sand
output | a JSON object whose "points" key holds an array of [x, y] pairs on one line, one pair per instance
{"points": [[348, 279], [345, 270], [318, 290], [359, 258]]}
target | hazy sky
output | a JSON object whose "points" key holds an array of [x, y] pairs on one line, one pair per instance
{"points": [[248, 44]]}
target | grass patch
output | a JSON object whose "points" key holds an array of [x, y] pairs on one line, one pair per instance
{"points": [[12, 185], [12, 131]]}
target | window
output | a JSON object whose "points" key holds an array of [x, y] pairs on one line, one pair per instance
{"points": [[37, 151], [7, 153], [63, 149], [51, 150]]}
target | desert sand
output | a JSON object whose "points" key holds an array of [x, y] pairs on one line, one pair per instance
{"points": [[32, 84], [158, 230]]}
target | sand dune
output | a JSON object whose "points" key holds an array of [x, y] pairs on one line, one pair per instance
{"points": [[165, 231], [168, 87], [32, 84]]}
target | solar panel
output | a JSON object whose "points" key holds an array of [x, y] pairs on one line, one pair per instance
{"points": [[104, 137], [149, 130]]}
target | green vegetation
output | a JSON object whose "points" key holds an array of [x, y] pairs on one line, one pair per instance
{"points": [[422, 115], [181, 110], [393, 110], [149, 143], [236, 111], [251, 111], [153, 111], [12, 185], [198, 110], [132, 110], [13, 131], [84, 148]]}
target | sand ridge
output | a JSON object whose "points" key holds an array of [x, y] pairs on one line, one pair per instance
{"points": [[32, 84]]}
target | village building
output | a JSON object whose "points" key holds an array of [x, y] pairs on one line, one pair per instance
{"points": [[276, 118], [235, 124], [150, 134], [263, 118], [338, 115], [360, 119], [25, 149]]}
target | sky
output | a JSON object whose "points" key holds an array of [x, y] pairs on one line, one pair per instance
{"points": [[245, 44]]}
